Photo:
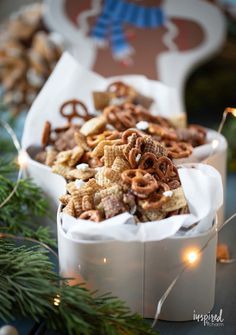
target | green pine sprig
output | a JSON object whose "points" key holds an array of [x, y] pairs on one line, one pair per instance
{"points": [[21, 214], [28, 286]]}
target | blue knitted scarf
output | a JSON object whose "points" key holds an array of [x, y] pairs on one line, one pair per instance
{"points": [[115, 13]]}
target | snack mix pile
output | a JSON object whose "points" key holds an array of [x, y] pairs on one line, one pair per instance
{"points": [[28, 54], [119, 161]]}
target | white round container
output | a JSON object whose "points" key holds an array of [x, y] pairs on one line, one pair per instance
{"points": [[139, 273]]}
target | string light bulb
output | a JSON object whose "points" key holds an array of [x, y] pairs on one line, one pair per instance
{"points": [[228, 110], [215, 144], [191, 256], [57, 300], [22, 159], [104, 260]]}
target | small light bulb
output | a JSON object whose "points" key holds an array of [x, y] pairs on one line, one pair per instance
{"points": [[215, 144], [22, 159], [231, 111], [192, 256], [57, 300], [104, 260]]}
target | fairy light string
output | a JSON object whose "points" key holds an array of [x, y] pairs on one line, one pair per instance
{"points": [[188, 262], [21, 160], [187, 265]]}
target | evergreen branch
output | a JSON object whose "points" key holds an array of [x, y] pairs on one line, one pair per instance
{"points": [[29, 286], [20, 215]]}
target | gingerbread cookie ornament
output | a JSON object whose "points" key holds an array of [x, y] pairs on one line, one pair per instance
{"points": [[124, 34]]}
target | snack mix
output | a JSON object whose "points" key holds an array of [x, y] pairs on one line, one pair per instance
{"points": [[119, 161], [28, 54]]}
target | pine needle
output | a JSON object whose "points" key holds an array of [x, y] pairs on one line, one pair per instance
{"points": [[20, 215], [29, 286]]}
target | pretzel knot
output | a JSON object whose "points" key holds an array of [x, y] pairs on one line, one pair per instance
{"points": [[157, 198], [127, 133], [148, 162], [93, 215], [128, 175], [143, 186], [78, 110], [178, 149], [198, 134], [121, 90], [93, 140], [163, 132], [165, 169], [134, 157]]}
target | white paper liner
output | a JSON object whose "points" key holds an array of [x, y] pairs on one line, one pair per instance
{"points": [[203, 190], [70, 80]]}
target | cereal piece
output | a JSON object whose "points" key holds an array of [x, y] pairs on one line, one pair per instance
{"points": [[113, 206], [114, 189], [70, 157], [93, 215], [154, 214], [69, 208], [61, 169], [99, 149], [77, 201], [112, 175], [71, 187], [93, 162], [82, 191], [76, 154], [80, 140], [111, 152], [222, 252], [129, 200], [66, 140], [51, 156], [63, 156], [154, 147], [120, 164], [64, 199], [101, 179], [102, 99], [93, 184], [93, 126], [176, 201], [81, 174], [87, 202]]}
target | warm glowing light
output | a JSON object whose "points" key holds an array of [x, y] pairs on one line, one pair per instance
{"points": [[22, 159], [215, 144], [104, 260], [231, 111], [191, 256], [57, 300]]}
